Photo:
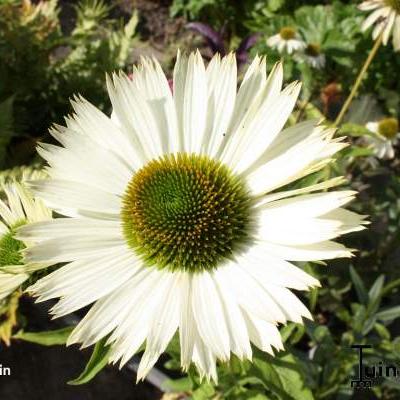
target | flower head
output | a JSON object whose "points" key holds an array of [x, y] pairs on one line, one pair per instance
{"points": [[173, 215], [313, 56], [386, 17], [287, 40], [386, 136], [18, 209]]}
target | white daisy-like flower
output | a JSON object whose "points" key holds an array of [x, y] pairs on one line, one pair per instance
{"points": [[18, 209], [313, 56], [386, 136], [287, 40], [175, 219], [386, 17]]}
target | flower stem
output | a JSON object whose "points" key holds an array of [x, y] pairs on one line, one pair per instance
{"points": [[359, 79]]}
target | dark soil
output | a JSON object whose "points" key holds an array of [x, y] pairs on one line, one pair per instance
{"points": [[39, 373]]}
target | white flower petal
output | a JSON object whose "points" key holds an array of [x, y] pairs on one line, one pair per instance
{"points": [[112, 310], [92, 278], [263, 334], [222, 81], [135, 116], [60, 194], [268, 268], [150, 80], [10, 282], [309, 205], [250, 296], [325, 250], [164, 326], [209, 315], [239, 338], [72, 248], [194, 104]]}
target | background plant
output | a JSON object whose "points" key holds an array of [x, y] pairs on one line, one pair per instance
{"points": [[42, 64]]}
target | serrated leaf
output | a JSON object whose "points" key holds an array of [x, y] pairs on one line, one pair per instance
{"points": [[97, 362], [204, 392], [283, 376], [46, 338]]}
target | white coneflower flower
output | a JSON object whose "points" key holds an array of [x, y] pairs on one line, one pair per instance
{"points": [[313, 56], [386, 136], [287, 40], [18, 209], [386, 16], [176, 221]]}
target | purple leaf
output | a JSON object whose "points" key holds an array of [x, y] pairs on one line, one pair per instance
{"points": [[242, 52], [214, 39]]}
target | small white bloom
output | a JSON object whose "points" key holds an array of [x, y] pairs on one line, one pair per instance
{"points": [[386, 136], [386, 17], [18, 209], [287, 40], [173, 216], [313, 56]]}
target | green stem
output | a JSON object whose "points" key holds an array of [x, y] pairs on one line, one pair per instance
{"points": [[359, 79]]}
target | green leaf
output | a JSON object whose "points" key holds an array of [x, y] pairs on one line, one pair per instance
{"points": [[355, 130], [204, 392], [389, 314], [178, 385], [97, 362], [357, 151], [46, 338], [382, 331], [359, 286], [287, 330], [257, 396], [283, 376], [375, 294]]}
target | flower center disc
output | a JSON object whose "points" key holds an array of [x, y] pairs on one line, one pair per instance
{"points": [[287, 33], [388, 127], [10, 248], [395, 4], [313, 50], [186, 212]]}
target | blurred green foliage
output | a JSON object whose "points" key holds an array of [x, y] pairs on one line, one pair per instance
{"points": [[41, 66]]}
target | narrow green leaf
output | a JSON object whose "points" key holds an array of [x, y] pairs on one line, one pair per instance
{"points": [[359, 286], [375, 295], [46, 338], [286, 331], [389, 314], [355, 130], [382, 331], [97, 362], [376, 288]]}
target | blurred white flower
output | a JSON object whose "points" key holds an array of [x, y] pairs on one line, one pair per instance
{"points": [[386, 136], [18, 209], [386, 17], [176, 221], [313, 56], [287, 40]]}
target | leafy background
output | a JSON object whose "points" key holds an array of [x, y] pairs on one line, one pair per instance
{"points": [[53, 50]]}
